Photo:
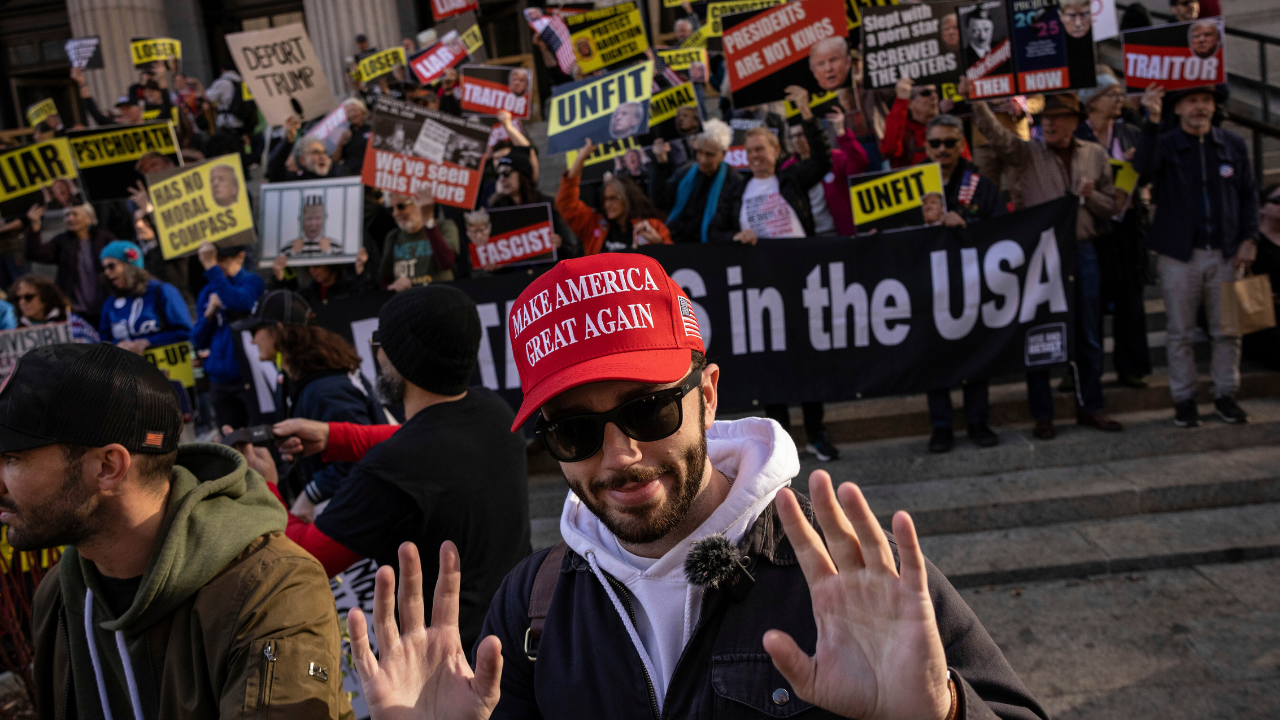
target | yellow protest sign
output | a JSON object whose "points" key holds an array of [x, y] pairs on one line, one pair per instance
{"points": [[472, 38], [816, 103], [149, 50], [41, 110], [717, 9], [609, 107], [109, 147], [604, 37], [664, 104], [174, 361], [32, 167], [380, 63], [897, 198], [1124, 176], [199, 203], [681, 58], [245, 94], [698, 39], [606, 152]]}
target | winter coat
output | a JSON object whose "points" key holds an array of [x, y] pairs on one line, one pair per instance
{"points": [[238, 295], [231, 618], [847, 160], [158, 316], [335, 396], [591, 227], [61, 251], [794, 182]]}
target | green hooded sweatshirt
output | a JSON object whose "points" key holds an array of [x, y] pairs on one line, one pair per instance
{"points": [[222, 568]]}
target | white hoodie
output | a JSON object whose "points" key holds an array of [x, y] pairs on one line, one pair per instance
{"points": [[762, 459]]}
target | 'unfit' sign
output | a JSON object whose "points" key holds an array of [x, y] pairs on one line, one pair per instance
{"points": [[281, 70], [606, 108], [898, 198]]}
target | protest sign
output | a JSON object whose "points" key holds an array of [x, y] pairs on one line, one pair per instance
{"points": [[606, 37], [552, 31], [281, 69], [519, 235], [39, 174], [609, 107], [85, 52], [38, 111], [312, 222], [698, 39], [919, 41], [429, 65], [663, 108], [330, 128], [604, 158], [108, 157], [206, 202], [800, 43], [412, 147], [680, 59], [819, 104], [1105, 25], [488, 89], [988, 49], [145, 51], [893, 199], [174, 361], [1176, 56], [16, 343], [716, 10], [372, 67], [441, 9], [1052, 45], [468, 30]]}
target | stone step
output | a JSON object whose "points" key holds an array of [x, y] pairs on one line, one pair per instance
{"points": [[1099, 547]]}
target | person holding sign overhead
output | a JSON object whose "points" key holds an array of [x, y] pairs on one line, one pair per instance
{"points": [[142, 312], [626, 218], [1054, 167], [903, 142]]}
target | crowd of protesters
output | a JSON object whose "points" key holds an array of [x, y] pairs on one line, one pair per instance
{"points": [[420, 471]]}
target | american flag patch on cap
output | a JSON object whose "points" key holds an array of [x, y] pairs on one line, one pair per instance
{"points": [[153, 440], [689, 318]]}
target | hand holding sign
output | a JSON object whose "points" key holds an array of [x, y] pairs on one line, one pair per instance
{"points": [[800, 98], [1153, 101]]}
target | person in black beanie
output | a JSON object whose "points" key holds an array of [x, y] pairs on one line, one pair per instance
{"points": [[452, 471]]}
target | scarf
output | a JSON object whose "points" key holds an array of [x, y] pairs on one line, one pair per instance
{"points": [[685, 190]]}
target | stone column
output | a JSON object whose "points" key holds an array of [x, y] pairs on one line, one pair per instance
{"points": [[117, 22], [334, 24]]}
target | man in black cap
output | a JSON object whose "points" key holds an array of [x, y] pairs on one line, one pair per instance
{"points": [[176, 583], [452, 471]]}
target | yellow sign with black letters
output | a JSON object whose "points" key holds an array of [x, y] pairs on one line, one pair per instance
{"points": [[609, 107], [681, 58], [148, 50], [716, 9], [606, 37], [200, 203], [37, 112], [381, 63], [174, 361], [908, 197], [28, 170]]}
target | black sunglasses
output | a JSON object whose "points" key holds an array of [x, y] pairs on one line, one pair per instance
{"points": [[28, 297], [402, 206], [939, 142], [927, 92], [648, 418], [506, 172], [1269, 201]]}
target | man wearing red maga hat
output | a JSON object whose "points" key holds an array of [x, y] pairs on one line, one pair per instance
{"points": [[690, 582]]}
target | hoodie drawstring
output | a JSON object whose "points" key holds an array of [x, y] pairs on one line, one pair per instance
{"points": [[626, 619], [135, 701]]}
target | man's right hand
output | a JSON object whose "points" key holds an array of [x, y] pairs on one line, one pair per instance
{"points": [[1153, 101], [903, 88], [422, 672], [401, 284], [746, 237], [291, 126], [661, 150], [301, 437], [36, 215], [964, 87], [278, 265]]}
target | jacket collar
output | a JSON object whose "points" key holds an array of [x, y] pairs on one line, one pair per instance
{"points": [[1184, 138]]}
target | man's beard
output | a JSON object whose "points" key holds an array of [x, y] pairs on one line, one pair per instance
{"points": [[69, 518], [391, 389], [649, 523]]}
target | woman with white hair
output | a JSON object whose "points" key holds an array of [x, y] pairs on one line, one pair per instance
{"points": [[348, 156], [309, 154], [696, 194], [75, 252]]}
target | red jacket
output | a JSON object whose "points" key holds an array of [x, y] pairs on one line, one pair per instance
{"points": [[590, 226], [903, 144], [849, 159]]}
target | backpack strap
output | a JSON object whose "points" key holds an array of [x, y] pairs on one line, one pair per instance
{"points": [[544, 586]]}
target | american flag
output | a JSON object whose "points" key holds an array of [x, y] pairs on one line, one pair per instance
{"points": [[689, 318], [154, 439], [664, 71], [555, 34]]}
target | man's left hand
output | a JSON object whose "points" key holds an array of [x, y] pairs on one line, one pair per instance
{"points": [[208, 255], [1246, 254], [800, 98], [259, 458], [878, 655], [953, 219]]}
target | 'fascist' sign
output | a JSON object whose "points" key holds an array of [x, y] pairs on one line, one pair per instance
{"points": [[200, 203], [412, 147], [488, 89], [107, 156], [605, 108], [608, 36], [898, 198], [27, 171], [148, 50], [800, 43], [281, 69], [517, 236], [1176, 57], [374, 66], [681, 58]]}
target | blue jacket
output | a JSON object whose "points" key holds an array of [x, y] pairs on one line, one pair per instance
{"points": [[159, 316], [1171, 162], [332, 397], [8, 318], [238, 295]]}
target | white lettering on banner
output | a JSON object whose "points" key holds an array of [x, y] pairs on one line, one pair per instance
{"points": [[1171, 67], [870, 318], [1045, 260], [407, 175], [949, 327], [1001, 283]]}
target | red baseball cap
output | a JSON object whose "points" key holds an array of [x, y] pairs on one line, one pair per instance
{"points": [[613, 316]]}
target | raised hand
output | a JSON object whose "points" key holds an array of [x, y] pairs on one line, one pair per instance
{"points": [[878, 655], [422, 672], [1153, 101]]}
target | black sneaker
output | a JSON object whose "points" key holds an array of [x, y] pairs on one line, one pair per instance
{"points": [[1229, 411], [942, 440], [819, 445], [983, 436], [1188, 415]]}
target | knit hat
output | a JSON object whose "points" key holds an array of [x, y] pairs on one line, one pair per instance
{"points": [[1105, 80], [518, 160], [431, 335], [122, 250]]}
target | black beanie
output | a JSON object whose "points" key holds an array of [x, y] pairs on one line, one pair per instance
{"points": [[431, 334], [518, 160]]}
